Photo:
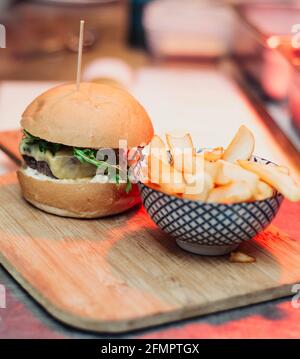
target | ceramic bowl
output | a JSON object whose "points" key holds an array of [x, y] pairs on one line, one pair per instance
{"points": [[209, 228]]}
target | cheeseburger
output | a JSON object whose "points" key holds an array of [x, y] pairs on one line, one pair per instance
{"points": [[64, 129]]}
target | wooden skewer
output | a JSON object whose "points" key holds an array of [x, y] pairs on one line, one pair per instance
{"points": [[80, 46]]}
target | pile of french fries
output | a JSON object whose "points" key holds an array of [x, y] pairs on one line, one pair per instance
{"points": [[218, 175]]}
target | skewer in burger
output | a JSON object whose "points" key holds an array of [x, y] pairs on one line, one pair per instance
{"points": [[63, 130]]}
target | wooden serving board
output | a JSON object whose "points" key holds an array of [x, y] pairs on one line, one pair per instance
{"points": [[9, 143], [122, 273]]}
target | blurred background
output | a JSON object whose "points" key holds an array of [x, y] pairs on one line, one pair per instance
{"points": [[166, 52]]}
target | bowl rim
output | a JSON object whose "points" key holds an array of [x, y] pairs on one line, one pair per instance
{"points": [[276, 195]]}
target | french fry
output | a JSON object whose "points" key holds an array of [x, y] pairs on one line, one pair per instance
{"points": [[281, 169], [158, 149], [173, 183], [172, 188], [233, 193], [180, 143], [167, 177], [215, 176], [198, 191], [211, 168], [157, 157], [282, 182], [154, 169], [241, 147], [240, 257], [264, 191], [195, 168], [159, 171], [183, 152], [229, 172], [214, 155]]}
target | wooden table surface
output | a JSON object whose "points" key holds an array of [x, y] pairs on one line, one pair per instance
{"points": [[24, 318]]}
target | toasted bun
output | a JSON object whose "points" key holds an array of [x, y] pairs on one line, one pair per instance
{"points": [[79, 199], [96, 116]]}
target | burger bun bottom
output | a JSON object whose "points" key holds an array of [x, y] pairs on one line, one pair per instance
{"points": [[77, 199]]}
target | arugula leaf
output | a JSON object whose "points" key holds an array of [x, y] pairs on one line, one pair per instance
{"points": [[87, 155], [30, 136], [128, 187], [43, 145]]}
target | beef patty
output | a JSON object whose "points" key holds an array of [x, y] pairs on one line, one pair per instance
{"points": [[40, 166]]}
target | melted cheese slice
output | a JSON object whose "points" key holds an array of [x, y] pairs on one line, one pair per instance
{"points": [[63, 164]]}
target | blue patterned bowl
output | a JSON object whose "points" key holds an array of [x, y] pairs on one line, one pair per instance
{"points": [[209, 228]]}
